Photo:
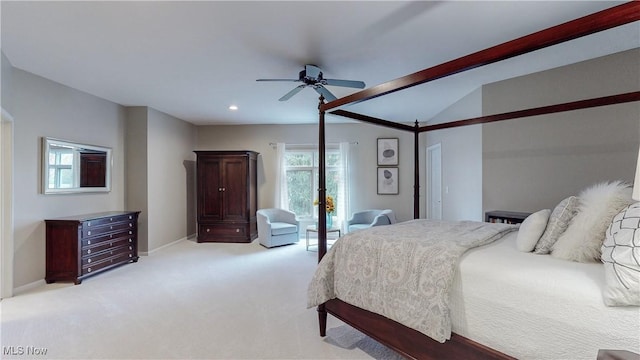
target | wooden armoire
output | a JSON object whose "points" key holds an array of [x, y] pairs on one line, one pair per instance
{"points": [[227, 197]]}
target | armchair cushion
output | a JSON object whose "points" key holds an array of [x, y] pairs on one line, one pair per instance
{"points": [[280, 228]]}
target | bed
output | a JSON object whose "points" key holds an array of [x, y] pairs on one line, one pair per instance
{"points": [[476, 283]]}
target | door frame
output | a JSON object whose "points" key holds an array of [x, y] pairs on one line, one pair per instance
{"points": [[6, 204], [428, 178]]}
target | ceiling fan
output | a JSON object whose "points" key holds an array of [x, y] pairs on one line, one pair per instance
{"points": [[312, 76]]}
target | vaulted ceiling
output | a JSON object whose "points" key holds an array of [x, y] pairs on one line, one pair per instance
{"points": [[193, 59]]}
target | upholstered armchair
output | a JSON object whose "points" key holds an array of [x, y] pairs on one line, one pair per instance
{"points": [[277, 227], [368, 218]]}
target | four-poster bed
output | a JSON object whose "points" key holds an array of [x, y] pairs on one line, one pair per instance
{"points": [[403, 339]]}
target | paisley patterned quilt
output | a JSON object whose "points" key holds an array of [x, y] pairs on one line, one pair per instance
{"points": [[402, 271]]}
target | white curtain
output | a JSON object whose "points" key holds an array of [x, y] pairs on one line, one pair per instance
{"points": [[281, 193], [343, 185]]}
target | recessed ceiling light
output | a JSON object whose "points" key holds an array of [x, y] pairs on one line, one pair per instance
{"points": [[233, 107]]}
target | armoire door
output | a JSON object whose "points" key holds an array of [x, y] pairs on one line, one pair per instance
{"points": [[210, 188], [234, 195]]}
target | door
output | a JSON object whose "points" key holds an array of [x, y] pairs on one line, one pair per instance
{"points": [[434, 182]]}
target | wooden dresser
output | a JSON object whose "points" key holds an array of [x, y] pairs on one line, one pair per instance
{"points": [[81, 246], [227, 196]]}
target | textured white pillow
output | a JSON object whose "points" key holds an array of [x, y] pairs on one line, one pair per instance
{"points": [[621, 258], [531, 230], [558, 223], [584, 237]]}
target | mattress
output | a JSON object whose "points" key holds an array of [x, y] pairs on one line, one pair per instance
{"points": [[537, 307]]}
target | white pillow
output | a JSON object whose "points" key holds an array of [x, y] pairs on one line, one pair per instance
{"points": [[531, 230], [583, 238], [621, 258], [558, 222]]}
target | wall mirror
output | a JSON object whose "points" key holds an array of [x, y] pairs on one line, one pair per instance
{"points": [[69, 167]]}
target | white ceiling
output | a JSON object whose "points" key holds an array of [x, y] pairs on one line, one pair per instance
{"points": [[194, 59]]}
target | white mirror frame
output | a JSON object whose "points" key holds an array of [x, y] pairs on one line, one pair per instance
{"points": [[48, 142]]}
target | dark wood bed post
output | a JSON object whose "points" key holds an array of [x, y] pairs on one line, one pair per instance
{"points": [[322, 208], [416, 172]]}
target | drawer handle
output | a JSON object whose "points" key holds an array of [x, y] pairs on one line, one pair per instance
{"points": [[130, 225], [89, 270], [237, 230], [130, 255], [88, 232], [89, 251], [89, 242], [130, 240], [208, 229], [110, 219], [88, 261], [130, 232], [110, 227], [130, 248], [111, 236], [89, 223], [130, 217]]}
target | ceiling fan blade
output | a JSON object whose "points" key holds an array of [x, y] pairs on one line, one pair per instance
{"points": [[345, 83], [278, 80], [295, 90], [324, 92]]}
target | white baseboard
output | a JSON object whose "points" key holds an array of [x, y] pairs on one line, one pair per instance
{"points": [[24, 288], [147, 253]]}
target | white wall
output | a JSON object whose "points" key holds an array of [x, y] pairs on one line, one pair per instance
{"points": [[171, 182], [461, 150], [363, 158], [160, 176], [44, 108], [137, 196], [533, 163]]}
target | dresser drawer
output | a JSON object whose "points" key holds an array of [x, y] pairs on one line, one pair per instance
{"points": [[97, 240], [100, 256], [108, 220], [110, 261], [89, 231], [106, 245]]}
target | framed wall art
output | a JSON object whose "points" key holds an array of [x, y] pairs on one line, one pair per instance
{"points": [[387, 151], [387, 181]]}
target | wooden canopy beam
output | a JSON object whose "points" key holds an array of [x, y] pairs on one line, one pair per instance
{"points": [[600, 21], [372, 120], [550, 109]]}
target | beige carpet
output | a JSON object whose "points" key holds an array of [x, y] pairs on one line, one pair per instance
{"points": [[186, 301]]}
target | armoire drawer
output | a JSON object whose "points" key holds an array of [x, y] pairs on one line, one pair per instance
{"points": [[225, 230]]}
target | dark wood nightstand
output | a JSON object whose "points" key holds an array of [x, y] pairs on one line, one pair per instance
{"points": [[505, 217]]}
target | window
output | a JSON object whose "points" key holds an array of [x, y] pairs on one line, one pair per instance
{"points": [[302, 179]]}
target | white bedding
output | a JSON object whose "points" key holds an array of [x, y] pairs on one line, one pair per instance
{"points": [[537, 307]]}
